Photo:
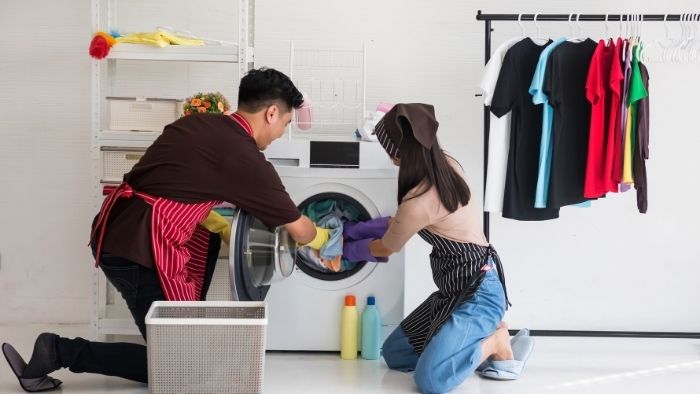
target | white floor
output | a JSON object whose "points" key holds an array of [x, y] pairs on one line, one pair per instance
{"points": [[559, 365]]}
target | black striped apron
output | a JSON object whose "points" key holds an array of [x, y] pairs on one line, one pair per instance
{"points": [[457, 272]]}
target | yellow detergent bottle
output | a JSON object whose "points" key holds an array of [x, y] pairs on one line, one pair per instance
{"points": [[348, 329]]}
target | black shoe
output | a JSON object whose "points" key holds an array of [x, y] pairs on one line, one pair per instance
{"points": [[44, 357], [30, 385]]}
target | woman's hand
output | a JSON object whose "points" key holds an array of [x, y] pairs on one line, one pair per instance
{"points": [[356, 251], [374, 228], [377, 248]]}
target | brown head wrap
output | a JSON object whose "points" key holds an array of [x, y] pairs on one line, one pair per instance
{"points": [[418, 119]]}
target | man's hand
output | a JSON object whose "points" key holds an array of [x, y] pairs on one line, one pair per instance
{"points": [[302, 230]]}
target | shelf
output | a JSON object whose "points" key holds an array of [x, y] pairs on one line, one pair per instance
{"points": [[130, 138], [182, 53], [110, 315]]}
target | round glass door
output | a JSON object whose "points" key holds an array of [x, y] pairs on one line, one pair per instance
{"points": [[259, 256]]}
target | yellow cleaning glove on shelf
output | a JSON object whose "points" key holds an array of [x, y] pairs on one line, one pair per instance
{"points": [[158, 38], [216, 223], [322, 236]]}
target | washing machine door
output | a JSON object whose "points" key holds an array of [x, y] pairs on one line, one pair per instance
{"points": [[258, 257]]}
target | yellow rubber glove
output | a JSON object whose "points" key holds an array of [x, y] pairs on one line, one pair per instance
{"points": [[322, 236], [150, 38], [177, 40], [157, 38], [216, 223]]}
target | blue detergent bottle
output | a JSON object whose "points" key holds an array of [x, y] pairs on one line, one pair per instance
{"points": [[371, 330]]}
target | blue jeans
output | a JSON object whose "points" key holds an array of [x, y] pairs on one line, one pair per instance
{"points": [[454, 351]]}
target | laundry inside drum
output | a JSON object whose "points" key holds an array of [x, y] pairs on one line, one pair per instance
{"points": [[329, 210]]}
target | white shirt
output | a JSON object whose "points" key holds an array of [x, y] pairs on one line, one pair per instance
{"points": [[499, 134]]}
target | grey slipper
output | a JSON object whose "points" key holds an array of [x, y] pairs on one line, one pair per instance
{"points": [[511, 369], [30, 385], [521, 333]]}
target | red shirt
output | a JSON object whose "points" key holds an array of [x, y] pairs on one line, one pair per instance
{"points": [[599, 95]]}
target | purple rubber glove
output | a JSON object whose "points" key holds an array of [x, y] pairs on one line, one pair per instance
{"points": [[357, 251], [374, 228]]}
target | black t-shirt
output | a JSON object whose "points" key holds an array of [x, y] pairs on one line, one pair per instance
{"points": [[512, 94], [565, 85], [198, 158]]}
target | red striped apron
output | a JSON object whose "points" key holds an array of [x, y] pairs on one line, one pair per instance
{"points": [[180, 245]]}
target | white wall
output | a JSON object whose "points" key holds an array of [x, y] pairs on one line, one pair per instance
{"points": [[418, 50], [45, 203], [605, 268]]}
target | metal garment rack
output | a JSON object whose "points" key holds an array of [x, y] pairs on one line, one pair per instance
{"points": [[487, 19]]}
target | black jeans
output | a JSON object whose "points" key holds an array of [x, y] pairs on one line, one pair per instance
{"points": [[139, 286]]}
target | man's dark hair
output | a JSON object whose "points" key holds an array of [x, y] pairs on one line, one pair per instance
{"points": [[266, 86]]}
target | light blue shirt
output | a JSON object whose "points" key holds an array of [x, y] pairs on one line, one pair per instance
{"points": [[539, 97]]}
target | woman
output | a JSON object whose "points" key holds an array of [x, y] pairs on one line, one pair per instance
{"points": [[459, 326]]}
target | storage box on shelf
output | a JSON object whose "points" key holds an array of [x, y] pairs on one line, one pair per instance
{"points": [[142, 114], [117, 161]]}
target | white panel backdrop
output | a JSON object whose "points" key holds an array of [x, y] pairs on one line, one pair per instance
{"points": [[606, 267]]}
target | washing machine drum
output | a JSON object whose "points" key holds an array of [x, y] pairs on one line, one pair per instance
{"points": [[258, 257], [322, 209]]}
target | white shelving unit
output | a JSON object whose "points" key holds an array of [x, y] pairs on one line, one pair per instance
{"points": [[110, 316], [223, 53]]}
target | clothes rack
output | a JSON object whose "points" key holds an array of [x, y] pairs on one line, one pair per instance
{"points": [[487, 19]]}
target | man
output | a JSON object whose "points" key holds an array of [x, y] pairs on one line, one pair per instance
{"points": [[150, 238]]}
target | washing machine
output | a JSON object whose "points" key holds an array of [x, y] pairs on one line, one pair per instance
{"points": [[305, 303], [305, 308]]}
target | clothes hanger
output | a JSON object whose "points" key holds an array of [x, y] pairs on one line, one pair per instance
{"points": [[625, 36], [609, 40], [691, 38], [677, 55], [696, 41], [670, 48], [571, 27], [638, 36], [619, 27], [683, 49], [606, 36], [520, 23], [677, 43], [579, 28], [574, 38], [642, 46], [539, 39], [660, 45]]}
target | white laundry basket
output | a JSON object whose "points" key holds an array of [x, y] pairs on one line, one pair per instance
{"points": [[206, 347]]}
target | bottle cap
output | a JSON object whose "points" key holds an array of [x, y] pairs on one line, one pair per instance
{"points": [[371, 300], [350, 300]]}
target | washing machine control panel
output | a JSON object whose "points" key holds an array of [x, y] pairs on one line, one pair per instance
{"points": [[334, 154]]}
